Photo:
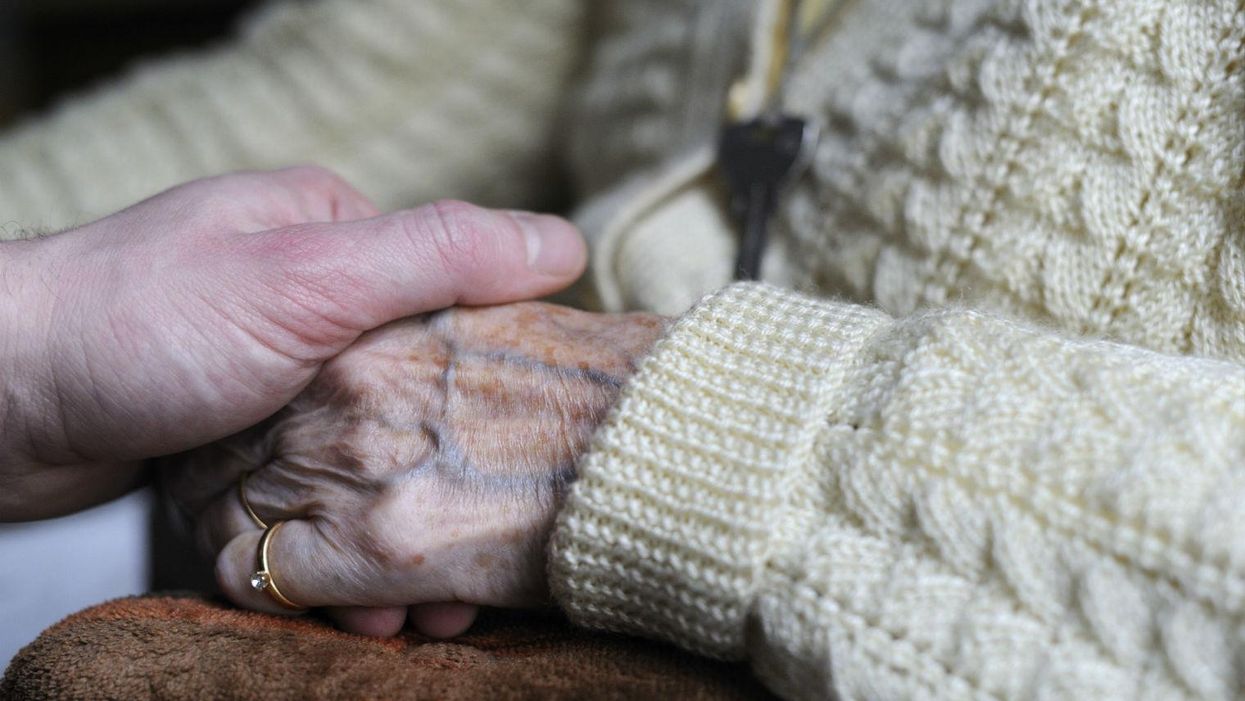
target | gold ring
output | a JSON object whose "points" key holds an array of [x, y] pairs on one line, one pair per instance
{"points": [[261, 579], [246, 504]]}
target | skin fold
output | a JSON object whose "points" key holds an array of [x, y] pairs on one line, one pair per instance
{"points": [[424, 464]]}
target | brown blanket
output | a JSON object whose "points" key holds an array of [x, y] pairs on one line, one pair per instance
{"points": [[188, 647]]}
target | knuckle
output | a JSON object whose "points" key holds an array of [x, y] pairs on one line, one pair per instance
{"points": [[452, 230], [222, 198], [337, 448], [346, 385], [206, 199], [388, 546], [334, 380], [353, 455]]}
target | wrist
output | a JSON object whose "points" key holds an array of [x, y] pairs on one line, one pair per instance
{"points": [[27, 293], [28, 489], [635, 335], [643, 331], [14, 341]]}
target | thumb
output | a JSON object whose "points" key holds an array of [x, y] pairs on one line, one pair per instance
{"points": [[361, 274]]}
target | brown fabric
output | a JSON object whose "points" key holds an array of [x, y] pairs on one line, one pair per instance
{"points": [[188, 647]]}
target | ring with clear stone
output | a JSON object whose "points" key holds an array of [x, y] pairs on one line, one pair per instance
{"points": [[262, 578]]}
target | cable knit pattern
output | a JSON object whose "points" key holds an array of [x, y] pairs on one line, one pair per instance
{"points": [[1076, 162], [409, 101], [946, 503], [949, 505]]}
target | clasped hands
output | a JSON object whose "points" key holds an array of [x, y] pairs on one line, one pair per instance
{"points": [[275, 325]]}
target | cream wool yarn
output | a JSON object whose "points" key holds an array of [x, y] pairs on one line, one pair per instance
{"points": [[946, 504], [409, 101], [1077, 162], [888, 496]]}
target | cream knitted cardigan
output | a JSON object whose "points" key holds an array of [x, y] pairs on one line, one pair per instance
{"points": [[947, 504], [916, 501]]}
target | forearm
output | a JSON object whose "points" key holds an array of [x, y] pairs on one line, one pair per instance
{"points": [[17, 331], [39, 476], [952, 504]]}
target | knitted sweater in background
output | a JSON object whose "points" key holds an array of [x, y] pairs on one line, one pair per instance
{"points": [[1042, 498], [1076, 162], [368, 88]]}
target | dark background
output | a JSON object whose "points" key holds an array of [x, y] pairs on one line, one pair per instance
{"points": [[52, 47]]}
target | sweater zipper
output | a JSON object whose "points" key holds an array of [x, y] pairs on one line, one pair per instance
{"points": [[761, 155]]}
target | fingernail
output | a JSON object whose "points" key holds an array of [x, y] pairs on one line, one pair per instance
{"points": [[554, 246]]}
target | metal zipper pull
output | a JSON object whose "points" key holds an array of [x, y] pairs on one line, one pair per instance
{"points": [[758, 157]]}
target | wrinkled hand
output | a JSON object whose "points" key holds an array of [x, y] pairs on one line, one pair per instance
{"points": [[205, 309], [423, 464]]}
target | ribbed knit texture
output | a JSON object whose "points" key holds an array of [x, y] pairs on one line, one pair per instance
{"points": [[709, 443], [409, 101], [946, 506]]}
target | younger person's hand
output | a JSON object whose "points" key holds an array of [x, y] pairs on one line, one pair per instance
{"points": [[203, 310]]}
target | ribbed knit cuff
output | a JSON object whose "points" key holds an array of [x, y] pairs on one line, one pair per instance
{"points": [[685, 493]]}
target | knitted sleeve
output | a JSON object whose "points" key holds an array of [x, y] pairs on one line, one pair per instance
{"points": [[944, 506], [410, 100]]}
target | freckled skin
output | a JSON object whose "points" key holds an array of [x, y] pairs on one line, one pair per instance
{"points": [[440, 444]]}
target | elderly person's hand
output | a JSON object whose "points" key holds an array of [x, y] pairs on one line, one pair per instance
{"points": [[423, 464], [199, 312]]}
